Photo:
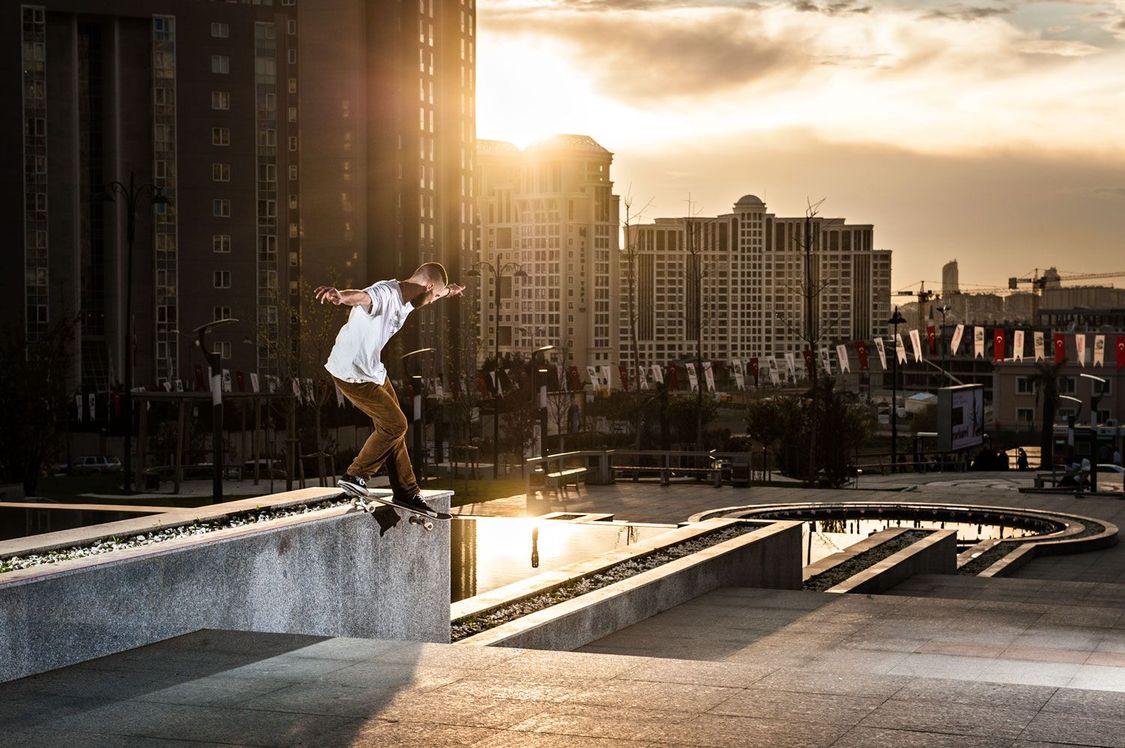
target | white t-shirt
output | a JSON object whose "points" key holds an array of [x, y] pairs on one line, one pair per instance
{"points": [[355, 356]]}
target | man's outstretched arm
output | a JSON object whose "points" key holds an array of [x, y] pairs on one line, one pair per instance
{"points": [[347, 297]]}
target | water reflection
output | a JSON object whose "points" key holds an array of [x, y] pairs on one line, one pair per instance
{"points": [[490, 552], [821, 538]]}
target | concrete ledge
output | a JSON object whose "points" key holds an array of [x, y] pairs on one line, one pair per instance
{"points": [[1012, 562], [332, 572], [935, 554], [769, 557], [830, 562]]}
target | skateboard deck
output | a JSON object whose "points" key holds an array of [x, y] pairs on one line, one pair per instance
{"points": [[371, 499]]}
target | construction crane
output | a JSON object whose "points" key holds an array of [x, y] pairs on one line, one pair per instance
{"points": [[921, 294], [1039, 282]]}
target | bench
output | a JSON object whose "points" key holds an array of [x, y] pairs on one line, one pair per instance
{"points": [[666, 471], [1047, 478], [560, 481]]}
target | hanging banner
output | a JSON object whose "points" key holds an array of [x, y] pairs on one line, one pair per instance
{"points": [[254, 381], [657, 374], [998, 345], [978, 342], [1017, 345], [931, 338], [708, 375], [607, 382], [1060, 347], [226, 380], [78, 407], [179, 385], [955, 344], [739, 374], [791, 366], [1040, 353], [1121, 351], [881, 349], [623, 370], [693, 380], [842, 357], [296, 386], [861, 352], [825, 362], [900, 349], [775, 378], [754, 370], [199, 378], [1080, 348], [642, 379], [310, 397], [93, 406], [916, 344], [808, 361], [240, 378], [592, 373], [573, 379]]}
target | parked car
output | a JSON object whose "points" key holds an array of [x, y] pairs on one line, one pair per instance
{"points": [[1105, 467], [95, 464]]}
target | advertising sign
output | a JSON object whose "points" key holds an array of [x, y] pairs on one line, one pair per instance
{"points": [[960, 417]]}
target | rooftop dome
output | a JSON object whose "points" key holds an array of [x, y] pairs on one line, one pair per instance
{"points": [[749, 201]]}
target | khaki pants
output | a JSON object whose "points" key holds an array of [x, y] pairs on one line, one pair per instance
{"points": [[387, 443]]}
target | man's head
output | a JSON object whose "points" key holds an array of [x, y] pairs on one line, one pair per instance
{"points": [[432, 277]]}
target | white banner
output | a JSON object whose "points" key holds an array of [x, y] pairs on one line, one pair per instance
{"points": [[1040, 352], [958, 333], [842, 355], [226, 380], [642, 380], [296, 386], [739, 375], [607, 377], [310, 395], [78, 405], [825, 362], [657, 374], [881, 348], [253, 381], [774, 377], [978, 342], [179, 385], [1099, 350], [1080, 345], [595, 382], [916, 344], [708, 375], [693, 380], [1017, 345], [791, 364], [93, 406], [900, 349]]}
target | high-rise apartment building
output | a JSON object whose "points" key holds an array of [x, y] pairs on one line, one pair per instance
{"points": [[950, 278], [549, 211], [739, 280], [296, 144]]}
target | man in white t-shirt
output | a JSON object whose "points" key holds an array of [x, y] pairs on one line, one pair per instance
{"points": [[378, 312]]}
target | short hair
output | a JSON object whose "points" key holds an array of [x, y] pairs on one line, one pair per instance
{"points": [[433, 271]]}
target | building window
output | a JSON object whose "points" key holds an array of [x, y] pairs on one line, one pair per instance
{"points": [[291, 26], [288, 2], [292, 85], [220, 30], [292, 114], [220, 243], [1024, 386], [220, 172], [292, 172], [292, 142], [220, 208], [1067, 385], [220, 100], [222, 279], [1100, 388], [220, 136], [292, 202], [223, 349], [291, 55], [1025, 416], [220, 313], [220, 64]]}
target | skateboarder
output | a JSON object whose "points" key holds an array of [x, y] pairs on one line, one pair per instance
{"points": [[378, 312]]}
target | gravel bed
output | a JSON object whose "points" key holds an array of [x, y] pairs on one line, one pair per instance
{"points": [[472, 625], [857, 563], [108, 545]]}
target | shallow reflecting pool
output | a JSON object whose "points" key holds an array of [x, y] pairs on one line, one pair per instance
{"points": [[824, 537], [490, 552]]}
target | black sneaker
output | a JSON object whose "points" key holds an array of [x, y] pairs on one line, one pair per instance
{"points": [[415, 502], [353, 484]]}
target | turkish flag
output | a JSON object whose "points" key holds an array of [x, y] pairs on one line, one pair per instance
{"points": [[199, 377], [808, 360], [624, 376], [931, 335], [998, 344], [1121, 351], [861, 349], [754, 368], [1060, 347], [482, 383], [241, 382], [673, 377]]}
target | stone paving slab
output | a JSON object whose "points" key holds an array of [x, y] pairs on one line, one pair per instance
{"points": [[495, 700]]}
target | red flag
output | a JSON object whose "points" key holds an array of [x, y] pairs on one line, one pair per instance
{"points": [[861, 349], [1060, 347], [573, 379], [1121, 351], [808, 360], [754, 370], [673, 377], [998, 344], [482, 383], [241, 382], [199, 380], [931, 335], [624, 376]]}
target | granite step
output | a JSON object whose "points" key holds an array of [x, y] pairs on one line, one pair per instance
{"points": [[1014, 589]]}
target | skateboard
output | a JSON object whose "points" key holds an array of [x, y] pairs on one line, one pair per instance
{"points": [[370, 500]]}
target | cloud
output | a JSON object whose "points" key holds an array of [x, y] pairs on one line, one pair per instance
{"points": [[1115, 191], [1058, 47], [833, 8], [967, 13]]}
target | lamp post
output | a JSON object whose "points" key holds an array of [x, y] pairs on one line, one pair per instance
{"points": [[535, 396], [214, 362], [419, 415], [895, 320], [1095, 398], [944, 309], [133, 193], [497, 271]]}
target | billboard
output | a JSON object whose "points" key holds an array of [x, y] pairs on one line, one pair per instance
{"points": [[960, 417]]}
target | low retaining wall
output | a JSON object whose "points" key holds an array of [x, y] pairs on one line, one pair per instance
{"points": [[935, 554], [768, 557], [332, 572]]}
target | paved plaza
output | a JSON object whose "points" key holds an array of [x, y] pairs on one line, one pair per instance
{"points": [[1033, 660]]}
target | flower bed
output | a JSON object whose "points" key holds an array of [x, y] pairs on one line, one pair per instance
{"points": [[857, 563]]}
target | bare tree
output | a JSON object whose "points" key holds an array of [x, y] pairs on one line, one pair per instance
{"points": [[631, 281]]}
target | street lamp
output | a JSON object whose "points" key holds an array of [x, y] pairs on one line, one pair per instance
{"points": [[498, 270], [944, 309], [543, 397], [214, 362], [133, 193], [1095, 398], [895, 320], [418, 416]]}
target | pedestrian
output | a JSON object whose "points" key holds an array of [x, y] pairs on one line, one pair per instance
{"points": [[377, 313], [1021, 460]]}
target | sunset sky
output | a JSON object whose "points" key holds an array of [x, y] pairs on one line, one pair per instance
{"points": [[988, 132]]}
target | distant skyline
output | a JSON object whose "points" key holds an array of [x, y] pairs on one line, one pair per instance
{"points": [[986, 132]]}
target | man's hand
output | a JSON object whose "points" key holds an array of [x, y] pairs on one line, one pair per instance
{"points": [[329, 294]]}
